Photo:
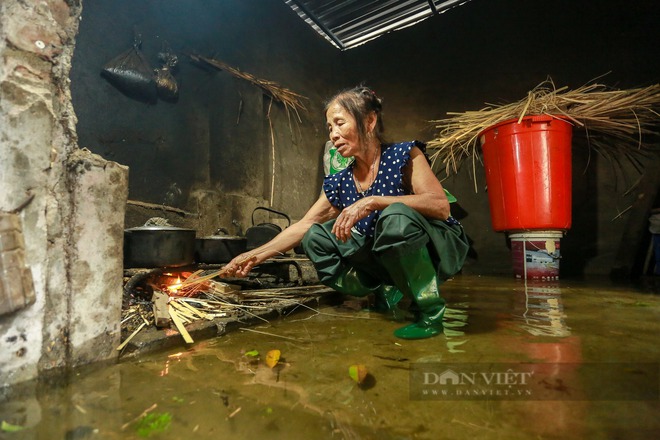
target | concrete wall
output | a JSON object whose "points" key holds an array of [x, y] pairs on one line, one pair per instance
{"points": [[72, 225]]}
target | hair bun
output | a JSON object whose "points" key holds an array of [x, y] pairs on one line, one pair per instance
{"points": [[371, 97]]}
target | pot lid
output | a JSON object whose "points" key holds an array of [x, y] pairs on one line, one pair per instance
{"points": [[223, 237], [158, 228]]}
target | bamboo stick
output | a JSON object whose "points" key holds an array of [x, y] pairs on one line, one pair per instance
{"points": [[180, 326], [127, 340], [183, 312]]}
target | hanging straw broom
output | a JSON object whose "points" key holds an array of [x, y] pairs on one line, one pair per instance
{"points": [[291, 100]]}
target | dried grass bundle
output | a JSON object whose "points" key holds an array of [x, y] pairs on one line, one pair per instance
{"points": [[291, 100], [616, 123]]}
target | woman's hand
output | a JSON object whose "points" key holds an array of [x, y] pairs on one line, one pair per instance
{"points": [[240, 266], [351, 215]]}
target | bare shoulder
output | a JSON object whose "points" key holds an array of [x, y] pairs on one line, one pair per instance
{"points": [[418, 163], [417, 155], [419, 176]]}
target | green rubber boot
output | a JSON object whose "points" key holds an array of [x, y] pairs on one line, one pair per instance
{"points": [[415, 275], [358, 284], [386, 298], [354, 283]]}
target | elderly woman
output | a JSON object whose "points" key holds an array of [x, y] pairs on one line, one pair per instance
{"points": [[382, 225]]}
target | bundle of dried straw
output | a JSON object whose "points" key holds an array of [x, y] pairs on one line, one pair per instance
{"points": [[616, 123], [290, 99]]}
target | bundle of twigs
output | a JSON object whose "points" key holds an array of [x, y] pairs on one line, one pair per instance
{"points": [[290, 99], [616, 123]]}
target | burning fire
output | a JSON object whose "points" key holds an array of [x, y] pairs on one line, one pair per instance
{"points": [[173, 288], [183, 283], [171, 285]]}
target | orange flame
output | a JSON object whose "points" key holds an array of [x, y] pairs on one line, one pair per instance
{"points": [[174, 287]]}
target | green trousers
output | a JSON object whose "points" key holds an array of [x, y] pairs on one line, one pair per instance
{"points": [[399, 231]]}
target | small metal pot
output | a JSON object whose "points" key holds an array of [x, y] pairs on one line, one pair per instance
{"points": [[159, 246], [218, 249]]}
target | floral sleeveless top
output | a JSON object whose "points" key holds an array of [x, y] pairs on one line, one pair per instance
{"points": [[340, 188]]}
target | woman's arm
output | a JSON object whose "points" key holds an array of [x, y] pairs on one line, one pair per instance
{"points": [[320, 212], [427, 197]]}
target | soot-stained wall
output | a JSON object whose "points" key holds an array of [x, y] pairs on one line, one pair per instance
{"points": [[210, 152]]}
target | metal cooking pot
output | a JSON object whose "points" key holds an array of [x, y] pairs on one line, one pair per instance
{"points": [[219, 248], [159, 246]]}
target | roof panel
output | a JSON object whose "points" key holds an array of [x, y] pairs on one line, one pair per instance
{"points": [[349, 23]]}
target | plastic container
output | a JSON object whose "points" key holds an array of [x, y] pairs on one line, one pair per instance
{"points": [[528, 173], [535, 254]]}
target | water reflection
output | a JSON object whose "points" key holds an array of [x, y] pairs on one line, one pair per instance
{"points": [[548, 341], [539, 310], [456, 317]]}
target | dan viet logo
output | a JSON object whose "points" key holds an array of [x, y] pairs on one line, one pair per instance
{"points": [[450, 377], [471, 381], [535, 381]]}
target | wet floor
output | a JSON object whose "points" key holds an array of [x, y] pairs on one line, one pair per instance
{"points": [[544, 361]]}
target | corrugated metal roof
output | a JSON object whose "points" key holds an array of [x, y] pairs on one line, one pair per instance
{"points": [[350, 23]]}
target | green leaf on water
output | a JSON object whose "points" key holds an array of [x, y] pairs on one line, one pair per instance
{"points": [[253, 353], [8, 427], [153, 422], [642, 304]]}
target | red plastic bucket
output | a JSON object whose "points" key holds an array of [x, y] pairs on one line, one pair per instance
{"points": [[528, 173]]}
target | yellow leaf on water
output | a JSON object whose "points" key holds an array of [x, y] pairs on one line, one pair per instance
{"points": [[272, 358], [358, 373]]}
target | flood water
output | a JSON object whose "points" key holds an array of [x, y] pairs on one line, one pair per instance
{"points": [[594, 349]]}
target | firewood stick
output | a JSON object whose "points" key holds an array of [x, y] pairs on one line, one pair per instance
{"points": [[188, 282], [193, 310], [144, 413], [182, 311], [179, 325], [123, 344]]}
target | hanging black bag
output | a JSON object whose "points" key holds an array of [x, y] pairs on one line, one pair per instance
{"points": [[131, 74]]}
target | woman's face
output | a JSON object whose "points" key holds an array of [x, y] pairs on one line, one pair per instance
{"points": [[343, 130]]}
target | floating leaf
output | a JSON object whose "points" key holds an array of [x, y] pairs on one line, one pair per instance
{"points": [[8, 427], [152, 423], [252, 353], [272, 358], [358, 373]]}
